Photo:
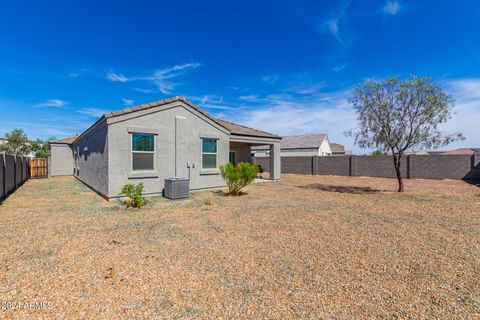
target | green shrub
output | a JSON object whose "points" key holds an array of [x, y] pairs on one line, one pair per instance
{"points": [[238, 176], [134, 194]]}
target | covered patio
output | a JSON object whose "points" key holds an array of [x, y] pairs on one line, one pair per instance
{"points": [[242, 139]]}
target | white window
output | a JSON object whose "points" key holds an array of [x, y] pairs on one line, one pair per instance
{"points": [[209, 153], [143, 152]]}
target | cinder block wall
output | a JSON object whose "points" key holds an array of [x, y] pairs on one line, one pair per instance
{"points": [[382, 166], [440, 166], [338, 166], [300, 165], [415, 167]]}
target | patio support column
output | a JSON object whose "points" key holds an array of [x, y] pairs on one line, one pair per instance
{"points": [[275, 161]]}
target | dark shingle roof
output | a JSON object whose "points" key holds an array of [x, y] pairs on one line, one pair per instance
{"points": [[233, 128], [68, 140]]}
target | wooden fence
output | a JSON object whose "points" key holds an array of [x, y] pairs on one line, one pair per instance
{"points": [[39, 168]]}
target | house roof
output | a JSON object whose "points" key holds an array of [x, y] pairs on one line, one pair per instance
{"points": [[304, 141], [335, 147], [242, 130], [307, 141], [233, 128], [68, 140], [463, 151]]}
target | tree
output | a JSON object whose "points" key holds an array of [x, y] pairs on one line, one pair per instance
{"points": [[239, 176], [41, 148], [395, 115], [17, 143], [377, 153]]}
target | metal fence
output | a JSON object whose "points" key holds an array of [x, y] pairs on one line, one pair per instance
{"points": [[14, 171]]}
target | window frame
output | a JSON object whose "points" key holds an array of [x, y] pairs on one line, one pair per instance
{"points": [[215, 153], [154, 152]]}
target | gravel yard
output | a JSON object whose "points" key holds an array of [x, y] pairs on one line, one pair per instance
{"points": [[306, 247]]}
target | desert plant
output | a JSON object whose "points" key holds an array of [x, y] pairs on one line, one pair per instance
{"points": [[397, 115], [134, 195], [239, 176]]}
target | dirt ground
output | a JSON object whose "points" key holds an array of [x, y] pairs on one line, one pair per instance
{"points": [[307, 247]]}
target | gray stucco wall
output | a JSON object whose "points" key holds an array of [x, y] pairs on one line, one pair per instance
{"points": [[90, 159], [178, 141], [61, 160]]}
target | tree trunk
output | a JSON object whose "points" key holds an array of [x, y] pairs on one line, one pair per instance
{"points": [[396, 162]]}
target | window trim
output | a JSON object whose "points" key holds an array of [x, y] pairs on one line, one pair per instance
{"points": [[215, 153], [154, 152]]}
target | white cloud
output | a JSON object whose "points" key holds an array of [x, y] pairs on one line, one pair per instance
{"points": [[128, 102], [116, 77], [162, 78], [391, 7], [142, 90], [339, 68], [270, 78], [93, 112], [332, 27], [251, 98], [466, 92], [56, 103]]}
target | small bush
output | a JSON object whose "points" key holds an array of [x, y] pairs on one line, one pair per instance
{"points": [[134, 194], [239, 176]]}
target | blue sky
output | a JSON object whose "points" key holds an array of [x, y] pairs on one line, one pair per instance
{"points": [[281, 66]]}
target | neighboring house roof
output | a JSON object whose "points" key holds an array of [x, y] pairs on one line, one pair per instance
{"points": [[68, 140], [463, 151], [337, 148], [307, 141], [233, 128]]}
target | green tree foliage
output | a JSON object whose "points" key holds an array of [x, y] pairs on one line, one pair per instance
{"points": [[239, 176], [395, 115], [17, 143], [134, 195], [41, 148], [377, 153]]}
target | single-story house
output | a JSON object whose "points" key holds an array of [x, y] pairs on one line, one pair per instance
{"points": [[339, 149], [463, 151], [151, 142], [299, 146]]}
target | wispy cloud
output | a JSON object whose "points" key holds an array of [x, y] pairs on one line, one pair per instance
{"points": [[332, 26], [56, 103], [143, 90], [128, 102], [339, 68], [93, 112], [116, 77], [79, 73], [162, 78], [271, 78], [466, 93], [392, 7]]}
